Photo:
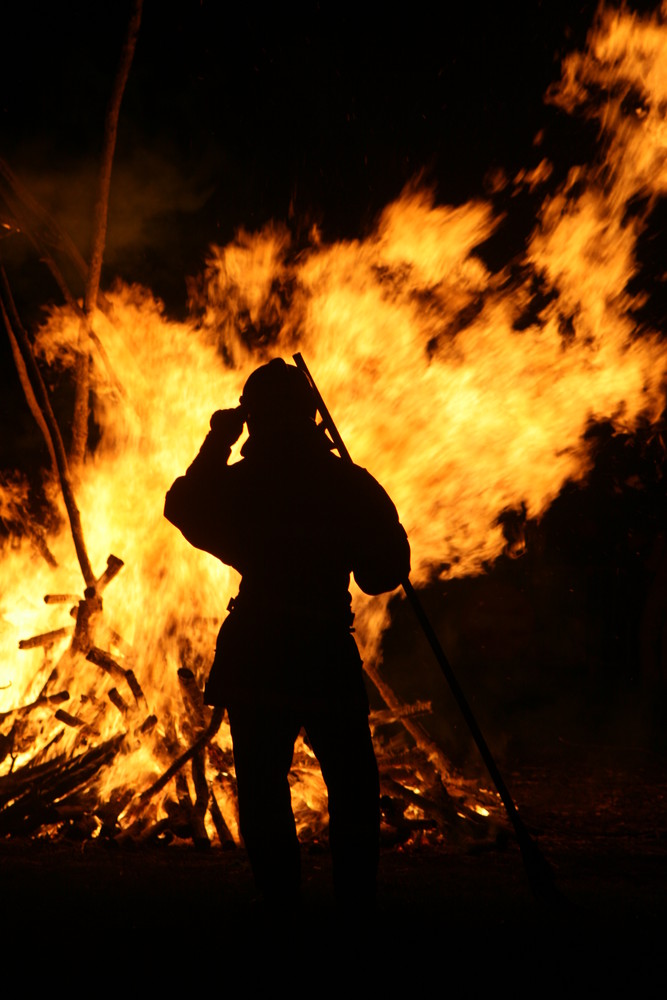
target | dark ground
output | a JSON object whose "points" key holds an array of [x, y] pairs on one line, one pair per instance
{"points": [[465, 915]]}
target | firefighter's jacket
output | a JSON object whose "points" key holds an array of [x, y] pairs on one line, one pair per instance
{"points": [[295, 521]]}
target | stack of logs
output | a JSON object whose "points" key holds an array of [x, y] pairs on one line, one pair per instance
{"points": [[59, 794]]}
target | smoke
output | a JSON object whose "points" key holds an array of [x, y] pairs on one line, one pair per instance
{"points": [[147, 185]]}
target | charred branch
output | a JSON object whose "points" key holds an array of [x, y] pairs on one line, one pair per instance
{"points": [[26, 384], [182, 826], [419, 735], [75, 815], [393, 814], [148, 725], [139, 830], [13, 784], [88, 610], [385, 717], [107, 663], [56, 446], [52, 699], [222, 760], [114, 566], [117, 699], [42, 755], [46, 638], [179, 812], [208, 734], [33, 807], [221, 828], [192, 698], [440, 811], [199, 834], [135, 687], [74, 722], [109, 811]]}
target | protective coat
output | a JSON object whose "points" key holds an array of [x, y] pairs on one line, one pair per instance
{"points": [[295, 521]]}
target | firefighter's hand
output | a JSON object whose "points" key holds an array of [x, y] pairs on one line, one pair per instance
{"points": [[227, 425]]}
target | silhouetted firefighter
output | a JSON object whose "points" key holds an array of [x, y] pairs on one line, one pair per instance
{"points": [[295, 521]]}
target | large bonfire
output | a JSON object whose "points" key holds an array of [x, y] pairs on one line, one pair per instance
{"points": [[461, 407]]}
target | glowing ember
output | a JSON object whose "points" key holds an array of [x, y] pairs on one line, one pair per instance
{"points": [[460, 418]]}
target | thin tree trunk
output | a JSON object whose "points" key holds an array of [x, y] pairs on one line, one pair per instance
{"points": [[26, 385], [49, 423], [82, 392]]}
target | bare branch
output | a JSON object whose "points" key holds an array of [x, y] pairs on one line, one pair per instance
{"points": [[197, 746], [26, 385], [81, 401], [56, 447], [110, 132]]}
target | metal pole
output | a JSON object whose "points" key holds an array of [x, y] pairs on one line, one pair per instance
{"points": [[538, 870]]}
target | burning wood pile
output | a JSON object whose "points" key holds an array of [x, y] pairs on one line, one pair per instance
{"points": [[80, 754], [61, 793]]}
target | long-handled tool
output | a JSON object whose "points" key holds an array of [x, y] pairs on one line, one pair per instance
{"points": [[538, 870]]}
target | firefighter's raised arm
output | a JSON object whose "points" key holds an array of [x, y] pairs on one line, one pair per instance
{"points": [[190, 504]]}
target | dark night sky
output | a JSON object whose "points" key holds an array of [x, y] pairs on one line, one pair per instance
{"points": [[235, 115]]}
